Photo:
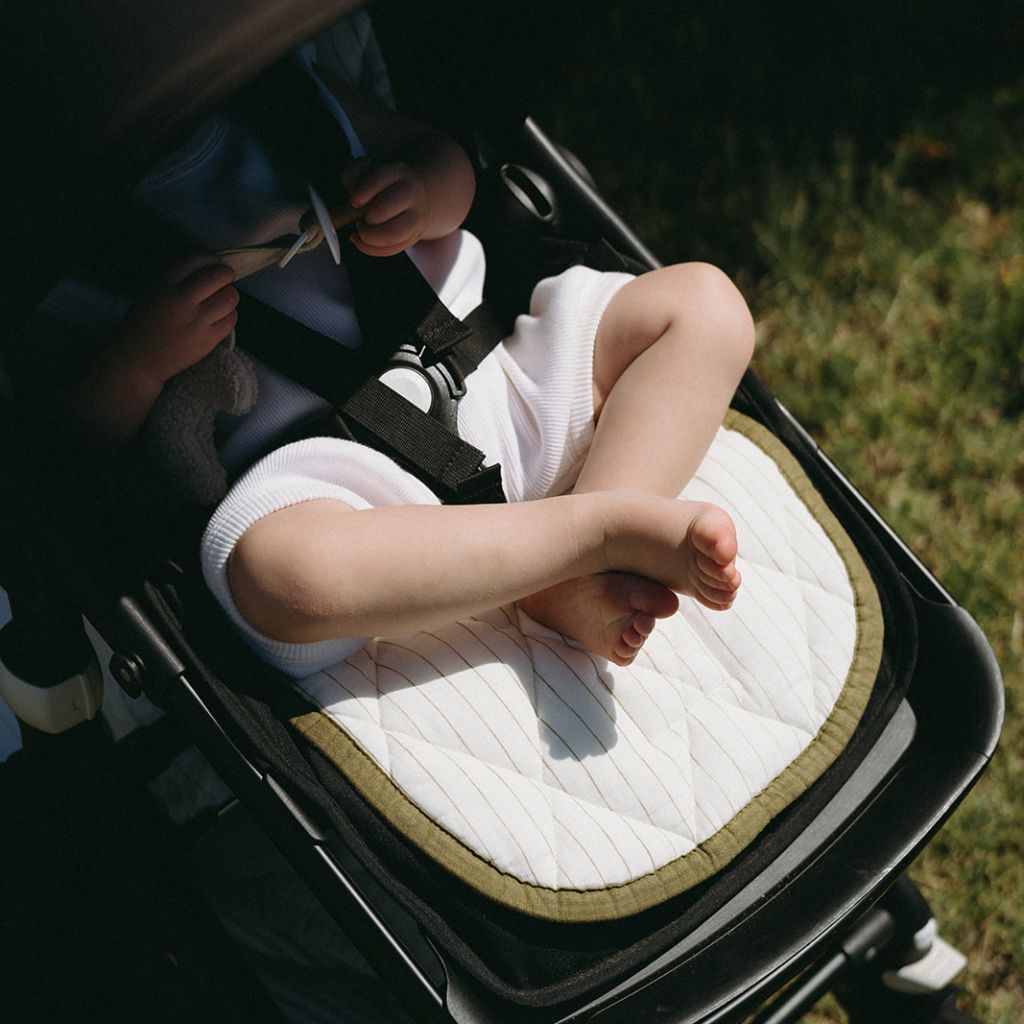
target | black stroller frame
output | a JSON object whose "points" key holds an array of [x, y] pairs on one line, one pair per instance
{"points": [[821, 898]]}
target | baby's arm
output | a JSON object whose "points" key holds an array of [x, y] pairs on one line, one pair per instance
{"points": [[418, 184], [174, 325]]}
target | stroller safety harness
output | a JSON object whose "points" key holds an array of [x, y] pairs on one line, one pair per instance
{"points": [[399, 391], [416, 353]]}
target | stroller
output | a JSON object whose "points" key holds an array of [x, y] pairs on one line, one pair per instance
{"points": [[816, 892]]}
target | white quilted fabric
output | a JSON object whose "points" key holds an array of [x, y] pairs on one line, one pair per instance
{"points": [[566, 772]]}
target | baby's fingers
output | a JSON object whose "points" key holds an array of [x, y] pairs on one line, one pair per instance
{"points": [[386, 239], [374, 179], [206, 281], [396, 199], [220, 306], [350, 175], [181, 271]]}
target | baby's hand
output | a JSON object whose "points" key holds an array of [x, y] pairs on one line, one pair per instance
{"points": [[180, 320], [394, 205]]}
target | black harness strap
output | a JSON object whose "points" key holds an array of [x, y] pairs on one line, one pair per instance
{"points": [[311, 359], [367, 410], [486, 330], [451, 467], [394, 304]]}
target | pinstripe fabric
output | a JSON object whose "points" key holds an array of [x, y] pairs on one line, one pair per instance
{"points": [[576, 789]]}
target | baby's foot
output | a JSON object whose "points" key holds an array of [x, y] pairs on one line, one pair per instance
{"points": [[611, 614], [689, 546], [709, 572]]}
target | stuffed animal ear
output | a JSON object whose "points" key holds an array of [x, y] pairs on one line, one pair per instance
{"points": [[179, 433]]}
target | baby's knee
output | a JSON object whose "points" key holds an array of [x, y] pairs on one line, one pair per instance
{"points": [[707, 297], [272, 574]]}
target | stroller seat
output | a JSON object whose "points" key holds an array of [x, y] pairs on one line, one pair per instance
{"points": [[511, 830], [573, 789]]}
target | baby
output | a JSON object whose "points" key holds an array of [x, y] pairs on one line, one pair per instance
{"points": [[597, 548]]}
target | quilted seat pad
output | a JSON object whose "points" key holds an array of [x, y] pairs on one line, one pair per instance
{"points": [[575, 789]]}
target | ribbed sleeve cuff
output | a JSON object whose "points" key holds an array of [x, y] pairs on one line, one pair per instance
{"points": [[309, 470]]}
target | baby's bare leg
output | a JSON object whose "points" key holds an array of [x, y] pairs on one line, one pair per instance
{"points": [[601, 564], [319, 569], [669, 352]]}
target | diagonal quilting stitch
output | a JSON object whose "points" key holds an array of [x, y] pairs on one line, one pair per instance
{"points": [[823, 588]]}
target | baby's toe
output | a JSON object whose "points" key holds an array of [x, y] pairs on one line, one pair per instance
{"points": [[651, 600], [644, 624], [713, 535], [716, 597], [716, 594], [633, 638], [715, 573], [623, 655]]}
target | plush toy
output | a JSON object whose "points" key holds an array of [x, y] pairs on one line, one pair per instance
{"points": [[179, 433]]}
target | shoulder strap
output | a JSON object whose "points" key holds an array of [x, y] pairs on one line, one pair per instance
{"points": [[394, 304], [368, 411]]}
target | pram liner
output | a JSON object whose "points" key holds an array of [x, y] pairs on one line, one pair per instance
{"points": [[575, 790], [531, 961], [496, 958]]}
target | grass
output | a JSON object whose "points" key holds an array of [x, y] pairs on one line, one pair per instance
{"points": [[860, 171], [892, 326]]}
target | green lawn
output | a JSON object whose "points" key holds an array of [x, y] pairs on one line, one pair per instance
{"points": [[892, 325], [860, 171]]}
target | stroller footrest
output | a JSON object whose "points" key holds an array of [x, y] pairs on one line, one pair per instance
{"points": [[932, 973], [54, 707]]}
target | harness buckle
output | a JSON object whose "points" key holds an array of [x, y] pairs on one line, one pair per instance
{"points": [[434, 387]]}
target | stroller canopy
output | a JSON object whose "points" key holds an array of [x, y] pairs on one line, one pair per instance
{"points": [[96, 91]]}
